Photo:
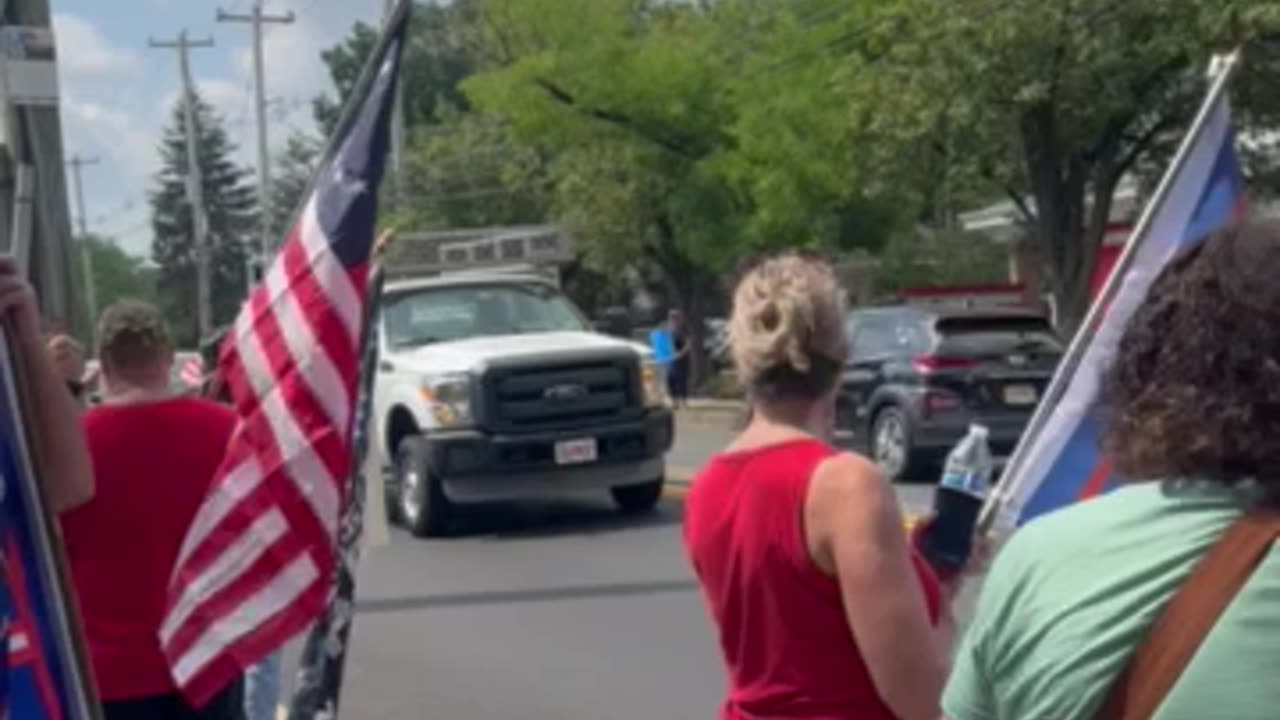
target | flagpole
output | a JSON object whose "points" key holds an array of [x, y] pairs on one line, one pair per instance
{"points": [[324, 654], [1221, 69]]}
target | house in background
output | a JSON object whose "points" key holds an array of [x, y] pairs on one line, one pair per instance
{"points": [[1004, 223]]}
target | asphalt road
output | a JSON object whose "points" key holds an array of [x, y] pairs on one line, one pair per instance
{"points": [[560, 611]]}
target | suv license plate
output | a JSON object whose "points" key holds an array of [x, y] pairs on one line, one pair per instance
{"points": [[576, 452], [1020, 395]]}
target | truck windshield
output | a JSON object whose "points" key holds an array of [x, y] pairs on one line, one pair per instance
{"points": [[442, 314]]}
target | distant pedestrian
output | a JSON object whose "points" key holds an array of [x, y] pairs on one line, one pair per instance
{"points": [[1194, 404], [823, 610], [154, 454]]}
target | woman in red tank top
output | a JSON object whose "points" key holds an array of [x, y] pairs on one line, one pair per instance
{"points": [[823, 610]]}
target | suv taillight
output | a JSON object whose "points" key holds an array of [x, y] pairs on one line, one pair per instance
{"points": [[927, 364]]}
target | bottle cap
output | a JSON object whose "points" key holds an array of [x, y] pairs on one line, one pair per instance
{"points": [[981, 430]]}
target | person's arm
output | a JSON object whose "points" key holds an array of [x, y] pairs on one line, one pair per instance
{"points": [[857, 522], [68, 472]]}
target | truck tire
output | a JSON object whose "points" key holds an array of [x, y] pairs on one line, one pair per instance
{"points": [[422, 506], [635, 499]]}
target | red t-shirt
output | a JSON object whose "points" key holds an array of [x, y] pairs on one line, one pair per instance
{"points": [[782, 625], [152, 465]]}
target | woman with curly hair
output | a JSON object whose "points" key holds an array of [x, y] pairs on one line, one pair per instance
{"points": [[1194, 425], [823, 610]]}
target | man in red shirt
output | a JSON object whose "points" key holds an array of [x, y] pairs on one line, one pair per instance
{"points": [[154, 454]]}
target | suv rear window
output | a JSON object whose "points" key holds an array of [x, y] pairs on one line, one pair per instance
{"points": [[996, 336]]}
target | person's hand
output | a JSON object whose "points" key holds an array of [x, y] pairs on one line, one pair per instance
{"points": [[67, 358], [953, 579], [18, 302]]}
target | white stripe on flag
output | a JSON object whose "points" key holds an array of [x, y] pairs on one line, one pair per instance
{"points": [[309, 356], [280, 593], [241, 481], [302, 465], [1162, 241], [231, 565], [329, 273]]}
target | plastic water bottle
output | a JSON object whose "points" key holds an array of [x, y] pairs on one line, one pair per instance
{"points": [[969, 465], [966, 480]]}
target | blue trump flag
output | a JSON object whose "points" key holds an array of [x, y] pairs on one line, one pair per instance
{"points": [[42, 671], [1060, 460]]}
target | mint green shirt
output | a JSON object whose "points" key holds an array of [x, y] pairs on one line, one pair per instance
{"points": [[1070, 596]]}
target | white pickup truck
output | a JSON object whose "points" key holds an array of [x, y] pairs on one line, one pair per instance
{"points": [[493, 386]]}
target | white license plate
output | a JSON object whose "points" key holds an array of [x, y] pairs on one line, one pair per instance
{"points": [[577, 452], [1020, 395]]}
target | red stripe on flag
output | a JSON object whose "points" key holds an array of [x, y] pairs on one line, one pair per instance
{"points": [[1097, 481], [253, 646]]}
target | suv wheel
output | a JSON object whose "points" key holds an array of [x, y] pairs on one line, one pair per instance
{"points": [[638, 498], [421, 504], [891, 444]]}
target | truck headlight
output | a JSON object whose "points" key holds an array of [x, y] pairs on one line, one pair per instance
{"points": [[654, 379], [449, 400]]}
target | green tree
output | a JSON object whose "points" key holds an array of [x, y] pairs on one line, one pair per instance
{"points": [[435, 61], [470, 172], [635, 106], [117, 274], [1049, 104], [292, 170], [925, 257], [230, 199]]}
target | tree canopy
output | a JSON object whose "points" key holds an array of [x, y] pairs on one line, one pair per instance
{"points": [[684, 136]]}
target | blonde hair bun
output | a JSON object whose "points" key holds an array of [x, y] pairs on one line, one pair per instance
{"points": [[788, 315]]}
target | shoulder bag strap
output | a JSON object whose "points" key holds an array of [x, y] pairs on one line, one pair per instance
{"points": [[1196, 606]]}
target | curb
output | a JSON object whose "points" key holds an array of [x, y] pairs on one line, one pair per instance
{"points": [[725, 412]]}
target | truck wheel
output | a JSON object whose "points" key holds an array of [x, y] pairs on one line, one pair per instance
{"points": [[638, 498], [422, 505]]}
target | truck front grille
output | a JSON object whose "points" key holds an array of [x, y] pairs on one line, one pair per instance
{"points": [[561, 395]]}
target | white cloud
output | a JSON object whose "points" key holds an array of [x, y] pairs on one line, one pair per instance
{"points": [[130, 148], [83, 50]]}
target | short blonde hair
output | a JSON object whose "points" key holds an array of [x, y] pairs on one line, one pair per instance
{"points": [[787, 331]]}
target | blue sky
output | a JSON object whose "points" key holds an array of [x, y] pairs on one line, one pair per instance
{"points": [[117, 93]]}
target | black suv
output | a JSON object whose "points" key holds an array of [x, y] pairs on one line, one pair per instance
{"points": [[917, 377]]}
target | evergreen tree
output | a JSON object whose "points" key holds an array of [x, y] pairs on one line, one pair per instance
{"points": [[292, 170], [231, 202]]}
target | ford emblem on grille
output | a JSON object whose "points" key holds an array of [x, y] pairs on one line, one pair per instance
{"points": [[562, 393]]}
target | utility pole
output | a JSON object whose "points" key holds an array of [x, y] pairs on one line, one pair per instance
{"points": [[256, 19], [397, 126], [77, 164], [195, 183]]}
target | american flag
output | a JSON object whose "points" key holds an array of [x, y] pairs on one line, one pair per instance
{"points": [[257, 564], [192, 371]]}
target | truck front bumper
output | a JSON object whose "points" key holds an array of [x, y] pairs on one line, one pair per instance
{"points": [[477, 466]]}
